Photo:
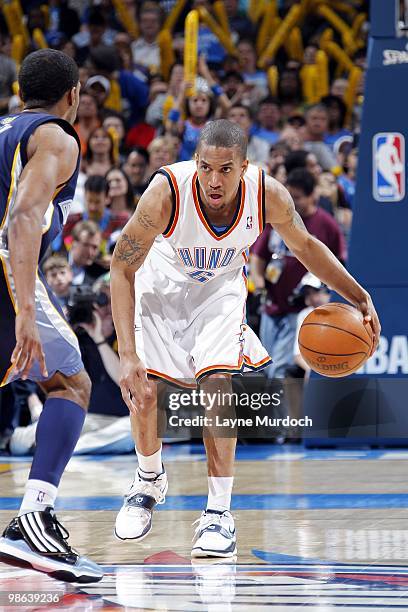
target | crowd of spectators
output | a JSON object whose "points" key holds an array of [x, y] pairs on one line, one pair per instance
{"points": [[135, 115]]}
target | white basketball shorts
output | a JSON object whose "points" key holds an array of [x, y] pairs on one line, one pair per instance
{"points": [[185, 331]]}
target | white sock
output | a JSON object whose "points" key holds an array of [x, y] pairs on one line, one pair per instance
{"points": [[38, 495], [151, 463], [219, 492]]}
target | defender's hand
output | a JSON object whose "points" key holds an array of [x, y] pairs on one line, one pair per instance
{"points": [[134, 384], [28, 346], [366, 306]]}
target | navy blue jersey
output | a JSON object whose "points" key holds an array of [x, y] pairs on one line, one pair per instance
{"points": [[15, 131]]}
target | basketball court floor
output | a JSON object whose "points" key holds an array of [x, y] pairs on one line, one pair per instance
{"points": [[317, 530]]}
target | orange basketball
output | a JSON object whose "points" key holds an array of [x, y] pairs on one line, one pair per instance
{"points": [[334, 341]]}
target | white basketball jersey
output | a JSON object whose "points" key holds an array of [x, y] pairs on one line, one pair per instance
{"points": [[191, 248]]}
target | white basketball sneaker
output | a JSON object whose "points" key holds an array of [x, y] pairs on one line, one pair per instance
{"points": [[134, 520], [214, 535]]}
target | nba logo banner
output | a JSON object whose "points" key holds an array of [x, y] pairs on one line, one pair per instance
{"points": [[388, 167]]}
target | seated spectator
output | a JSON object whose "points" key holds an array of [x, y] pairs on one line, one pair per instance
{"points": [[317, 125], [252, 75], [232, 83], [85, 252], [289, 92], [268, 117], [129, 93], [337, 116], [115, 124], [58, 275], [121, 201], [174, 144], [279, 173], [145, 49], [87, 119], [277, 156], [97, 201], [123, 47], [100, 154], [93, 34], [99, 86], [329, 188], [198, 110], [339, 87], [159, 107], [136, 169], [292, 137], [159, 155], [258, 149], [157, 96], [303, 159]]}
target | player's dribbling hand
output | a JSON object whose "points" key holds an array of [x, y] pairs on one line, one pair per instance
{"points": [[134, 384], [371, 317], [28, 346]]}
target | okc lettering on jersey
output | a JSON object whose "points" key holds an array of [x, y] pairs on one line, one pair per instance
{"points": [[217, 258]]}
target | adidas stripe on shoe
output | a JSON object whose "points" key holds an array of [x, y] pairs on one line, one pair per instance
{"points": [[38, 540]]}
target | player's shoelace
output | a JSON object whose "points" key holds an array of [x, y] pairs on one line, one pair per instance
{"points": [[62, 533], [205, 521], [145, 488]]}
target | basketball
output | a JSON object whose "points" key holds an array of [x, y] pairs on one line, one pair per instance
{"points": [[334, 340]]}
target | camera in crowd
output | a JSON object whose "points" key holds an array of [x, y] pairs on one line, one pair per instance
{"points": [[81, 303]]}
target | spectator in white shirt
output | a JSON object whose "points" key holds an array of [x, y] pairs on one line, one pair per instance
{"points": [[145, 49]]}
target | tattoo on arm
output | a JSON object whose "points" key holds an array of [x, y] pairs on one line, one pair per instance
{"points": [[130, 250], [146, 221], [297, 221]]}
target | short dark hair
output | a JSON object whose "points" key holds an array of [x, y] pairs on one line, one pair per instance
{"points": [[330, 100], [319, 106], [296, 159], [233, 74], [140, 151], [96, 184], [224, 133], [269, 100], [55, 262], [96, 17], [302, 179], [244, 106], [90, 227], [45, 76]]}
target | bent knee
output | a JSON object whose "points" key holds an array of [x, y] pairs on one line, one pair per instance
{"points": [[82, 388], [75, 388]]}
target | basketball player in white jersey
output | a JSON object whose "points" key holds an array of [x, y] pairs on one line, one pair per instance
{"points": [[178, 265]]}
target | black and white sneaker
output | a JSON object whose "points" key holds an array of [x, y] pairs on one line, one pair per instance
{"points": [[38, 540], [134, 520], [215, 535]]}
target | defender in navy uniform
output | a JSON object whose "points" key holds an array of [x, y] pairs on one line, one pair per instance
{"points": [[39, 160]]}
